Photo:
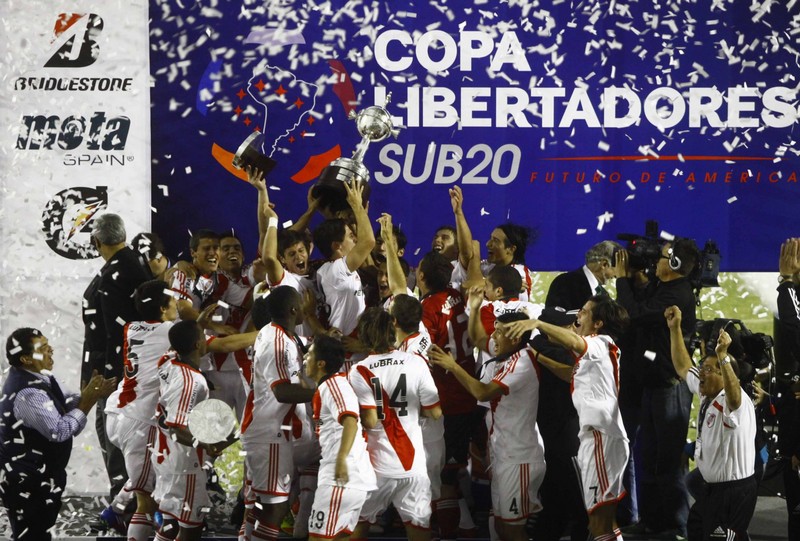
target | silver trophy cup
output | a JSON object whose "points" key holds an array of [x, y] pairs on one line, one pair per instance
{"points": [[374, 124]]}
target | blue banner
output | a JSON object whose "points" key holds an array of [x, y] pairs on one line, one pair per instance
{"points": [[580, 120]]}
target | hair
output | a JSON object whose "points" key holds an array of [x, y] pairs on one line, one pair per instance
{"points": [[183, 336], [376, 330], [613, 315], [330, 350], [109, 229], [447, 228], [407, 313], [511, 317], [260, 312], [506, 277], [231, 234], [686, 250], [519, 236], [437, 270], [289, 237], [602, 251], [150, 297], [199, 235], [149, 245], [328, 232], [281, 300], [19, 344]]}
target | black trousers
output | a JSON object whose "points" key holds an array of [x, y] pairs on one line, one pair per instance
{"points": [[112, 456], [32, 503], [728, 507]]}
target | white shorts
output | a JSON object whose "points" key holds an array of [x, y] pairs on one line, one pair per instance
{"points": [[136, 440], [183, 498], [270, 469], [335, 511], [434, 462], [602, 460], [411, 497], [228, 387], [515, 491]]}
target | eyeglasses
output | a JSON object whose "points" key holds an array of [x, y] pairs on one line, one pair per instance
{"points": [[707, 369]]}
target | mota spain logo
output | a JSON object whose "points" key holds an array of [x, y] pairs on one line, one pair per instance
{"points": [[75, 43]]}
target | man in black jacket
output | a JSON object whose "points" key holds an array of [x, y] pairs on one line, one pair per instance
{"points": [[37, 424], [666, 400], [787, 360], [571, 290], [107, 306]]}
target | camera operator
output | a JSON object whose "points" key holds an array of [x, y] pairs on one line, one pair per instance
{"points": [[726, 430], [666, 400], [789, 378]]}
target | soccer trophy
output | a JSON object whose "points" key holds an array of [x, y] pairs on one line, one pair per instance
{"points": [[249, 155], [374, 124]]}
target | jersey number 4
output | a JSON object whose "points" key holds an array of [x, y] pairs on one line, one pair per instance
{"points": [[398, 398]]}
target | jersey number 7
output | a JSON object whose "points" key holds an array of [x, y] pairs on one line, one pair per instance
{"points": [[398, 398]]}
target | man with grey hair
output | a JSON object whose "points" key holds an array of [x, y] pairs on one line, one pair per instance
{"points": [[572, 289], [107, 306]]}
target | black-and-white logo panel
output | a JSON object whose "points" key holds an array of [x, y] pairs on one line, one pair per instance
{"points": [[67, 221]]}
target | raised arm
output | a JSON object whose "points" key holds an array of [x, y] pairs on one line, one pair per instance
{"points": [[680, 356], [733, 389], [366, 239], [269, 248], [463, 233], [304, 220], [397, 280], [477, 334], [256, 179]]}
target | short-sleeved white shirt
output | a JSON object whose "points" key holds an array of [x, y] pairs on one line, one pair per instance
{"points": [[399, 385], [725, 449], [300, 284], [595, 386], [343, 293], [136, 396], [236, 296], [459, 276], [419, 343], [278, 359], [181, 388], [334, 400], [513, 435]]}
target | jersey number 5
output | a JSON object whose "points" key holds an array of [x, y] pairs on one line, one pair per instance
{"points": [[397, 401]]}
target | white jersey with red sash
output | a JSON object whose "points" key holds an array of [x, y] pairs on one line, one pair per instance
{"points": [[399, 386]]}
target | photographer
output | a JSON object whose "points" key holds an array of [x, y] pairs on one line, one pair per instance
{"points": [[726, 430], [788, 381], [666, 400]]}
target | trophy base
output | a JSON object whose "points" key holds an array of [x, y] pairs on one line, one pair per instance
{"points": [[249, 155], [329, 188]]}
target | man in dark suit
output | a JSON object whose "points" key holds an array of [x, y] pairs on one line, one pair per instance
{"points": [[572, 289], [107, 306], [37, 423]]}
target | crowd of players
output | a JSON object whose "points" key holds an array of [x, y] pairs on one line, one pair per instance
{"points": [[361, 385]]}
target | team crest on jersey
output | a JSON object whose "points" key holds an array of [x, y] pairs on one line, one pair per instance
{"points": [[67, 221], [710, 420]]}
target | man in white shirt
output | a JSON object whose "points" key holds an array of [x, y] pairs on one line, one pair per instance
{"points": [[726, 431], [346, 250]]}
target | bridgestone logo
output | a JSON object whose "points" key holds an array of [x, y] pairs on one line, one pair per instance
{"points": [[74, 84]]}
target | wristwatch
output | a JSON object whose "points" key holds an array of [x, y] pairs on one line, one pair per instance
{"points": [[785, 278], [725, 360]]}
